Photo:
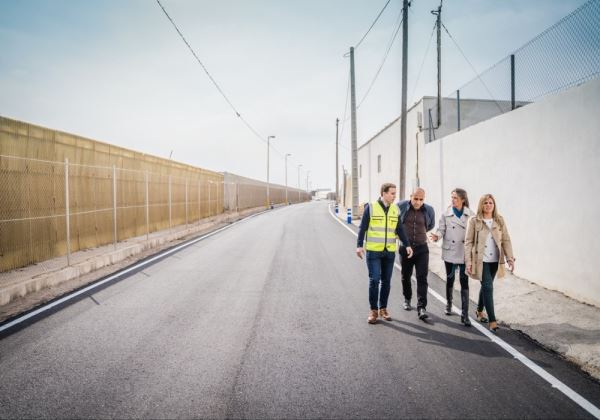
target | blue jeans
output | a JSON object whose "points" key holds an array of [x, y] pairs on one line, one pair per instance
{"points": [[486, 294], [381, 267]]}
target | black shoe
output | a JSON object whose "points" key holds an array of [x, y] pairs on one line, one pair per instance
{"points": [[465, 320], [422, 314], [448, 310], [407, 306]]}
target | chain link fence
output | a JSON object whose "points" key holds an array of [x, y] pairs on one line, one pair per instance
{"points": [[51, 208], [562, 56]]}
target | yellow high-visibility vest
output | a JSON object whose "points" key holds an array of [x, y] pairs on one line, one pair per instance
{"points": [[382, 230]]}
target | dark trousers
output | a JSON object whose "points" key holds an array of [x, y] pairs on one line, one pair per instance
{"points": [[420, 261], [450, 270], [486, 294], [381, 267]]}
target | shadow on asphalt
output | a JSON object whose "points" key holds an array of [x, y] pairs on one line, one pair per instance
{"points": [[424, 333]]}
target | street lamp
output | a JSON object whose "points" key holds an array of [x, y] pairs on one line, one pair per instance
{"points": [[307, 174], [286, 189], [299, 182], [268, 148]]}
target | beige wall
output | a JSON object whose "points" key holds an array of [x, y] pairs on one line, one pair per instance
{"points": [[244, 193], [32, 187]]}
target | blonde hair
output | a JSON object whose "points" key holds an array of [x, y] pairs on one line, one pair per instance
{"points": [[495, 214]]}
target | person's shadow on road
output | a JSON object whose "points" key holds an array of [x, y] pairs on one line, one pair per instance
{"points": [[426, 333]]}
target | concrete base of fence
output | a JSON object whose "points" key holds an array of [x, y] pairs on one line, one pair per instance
{"points": [[17, 287]]}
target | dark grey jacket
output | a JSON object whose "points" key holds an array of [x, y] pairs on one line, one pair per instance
{"points": [[429, 213]]}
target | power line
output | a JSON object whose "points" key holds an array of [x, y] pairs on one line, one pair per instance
{"points": [[345, 107], [472, 67], [373, 24], [422, 63], [385, 56], [214, 82]]}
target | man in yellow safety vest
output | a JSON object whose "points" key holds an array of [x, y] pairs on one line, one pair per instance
{"points": [[380, 225]]}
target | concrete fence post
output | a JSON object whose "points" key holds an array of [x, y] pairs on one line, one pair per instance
{"points": [[115, 206], [199, 203], [67, 211], [147, 207], [186, 203]]}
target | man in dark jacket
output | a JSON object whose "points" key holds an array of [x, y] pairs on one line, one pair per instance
{"points": [[417, 218]]}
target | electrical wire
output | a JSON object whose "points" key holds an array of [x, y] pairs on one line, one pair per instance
{"points": [[373, 24], [385, 56], [412, 97], [472, 67], [214, 82], [344, 119]]}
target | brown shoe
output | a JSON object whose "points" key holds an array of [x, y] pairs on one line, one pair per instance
{"points": [[384, 314], [372, 319]]}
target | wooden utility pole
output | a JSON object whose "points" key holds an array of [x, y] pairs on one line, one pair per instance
{"points": [[404, 85], [337, 160], [354, 141], [438, 23]]}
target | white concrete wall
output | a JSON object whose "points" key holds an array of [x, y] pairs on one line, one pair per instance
{"points": [[387, 143], [541, 163]]}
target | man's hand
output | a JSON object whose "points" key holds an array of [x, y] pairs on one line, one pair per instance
{"points": [[409, 252], [360, 251], [434, 237]]}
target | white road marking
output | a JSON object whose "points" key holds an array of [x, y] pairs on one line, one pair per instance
{"points": [[68, 297], [574, 396]]}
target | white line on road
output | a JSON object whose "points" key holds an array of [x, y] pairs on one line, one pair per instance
{"points": [[574, 396], [64, 299]]}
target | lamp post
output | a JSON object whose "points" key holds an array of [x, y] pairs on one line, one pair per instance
{"points": [[287, 202], [307, 174], [268, 149], [299, 182]]}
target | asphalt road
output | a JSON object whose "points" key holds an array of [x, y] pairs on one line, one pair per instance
{"points": [[267, 319]]}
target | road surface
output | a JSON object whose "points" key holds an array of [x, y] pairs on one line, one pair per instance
{"points": [[267, 319]]}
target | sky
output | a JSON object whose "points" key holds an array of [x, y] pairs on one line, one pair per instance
{"points": [[118, 72]]}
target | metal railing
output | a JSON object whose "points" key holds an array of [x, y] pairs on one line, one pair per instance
{"points": [[564, 55], [51, 209]]}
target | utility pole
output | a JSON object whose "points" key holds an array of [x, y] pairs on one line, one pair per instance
{"points": [[344, 187], [337, 168], [286, 188], [405, 5], [299, 182], [307, 174], [438, 23], [354, 141]]}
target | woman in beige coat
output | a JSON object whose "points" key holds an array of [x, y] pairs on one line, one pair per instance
{"points": [[487, 247]]}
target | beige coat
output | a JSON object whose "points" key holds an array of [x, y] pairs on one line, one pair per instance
{"points": [[475, 238]]}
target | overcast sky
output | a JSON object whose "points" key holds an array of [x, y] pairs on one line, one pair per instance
{"points": [[118, 72]]}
